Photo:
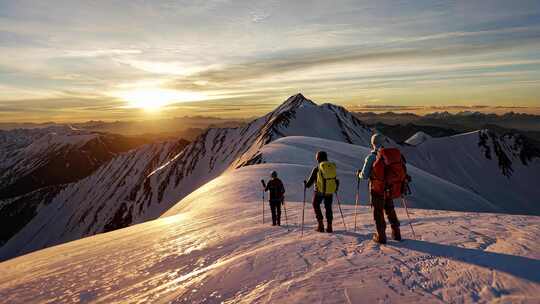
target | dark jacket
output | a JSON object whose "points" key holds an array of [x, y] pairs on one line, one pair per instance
{"points": [[313, 180], [276, 189]]}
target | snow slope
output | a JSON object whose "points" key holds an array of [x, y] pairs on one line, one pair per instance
{"points": [[23, 153], [212, 248], [497, 167], [300, 151], [94, 204], [36, 164]]}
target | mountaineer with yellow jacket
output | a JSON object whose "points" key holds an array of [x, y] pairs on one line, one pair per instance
{"points": [[326, 184]]}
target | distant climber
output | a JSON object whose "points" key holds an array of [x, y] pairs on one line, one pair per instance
{"points": [[277, 195], [387, 173], [326, 184]]}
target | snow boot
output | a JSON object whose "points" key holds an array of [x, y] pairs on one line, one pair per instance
{"points": [[396, 233], [320, 227], [379, 239], [329, 227]]}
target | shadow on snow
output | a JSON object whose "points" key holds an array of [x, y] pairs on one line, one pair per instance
{"points": [[522, 267]]}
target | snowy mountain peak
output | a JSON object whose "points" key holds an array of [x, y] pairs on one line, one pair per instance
{"points": [[294, 102], [418, 138]]}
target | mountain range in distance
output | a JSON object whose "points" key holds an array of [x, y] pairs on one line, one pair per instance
{"points": [[399, 126], [187, 127]]}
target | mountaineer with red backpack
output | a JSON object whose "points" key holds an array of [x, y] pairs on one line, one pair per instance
{"points": [[387, 173]]}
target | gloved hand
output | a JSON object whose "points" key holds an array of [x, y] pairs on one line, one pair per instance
{"points": [[305, 184]]}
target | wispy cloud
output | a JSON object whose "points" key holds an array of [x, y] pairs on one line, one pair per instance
{"points": [[100, 52], [246, 53], [444, 108], [299, 60]]}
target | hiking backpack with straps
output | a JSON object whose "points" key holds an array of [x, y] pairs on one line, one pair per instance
{"points": [[326, 178], [389, 174]]}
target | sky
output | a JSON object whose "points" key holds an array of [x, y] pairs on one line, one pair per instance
{"points": [[115, 60]]}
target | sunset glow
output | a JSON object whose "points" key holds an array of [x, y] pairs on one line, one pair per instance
{"points": [[155, 99], [61, 60]]}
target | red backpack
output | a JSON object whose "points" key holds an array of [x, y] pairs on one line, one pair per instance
{"points": [[389, 174]]}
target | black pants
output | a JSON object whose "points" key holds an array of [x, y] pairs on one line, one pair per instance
{"points": [[318, 198], [275, 208], [381, 206]]}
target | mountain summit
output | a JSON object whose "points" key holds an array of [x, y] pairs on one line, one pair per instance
{"points": [[297, 100]]}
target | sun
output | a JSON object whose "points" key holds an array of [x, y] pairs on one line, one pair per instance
{"points": [[154, 100], [148, 99]]}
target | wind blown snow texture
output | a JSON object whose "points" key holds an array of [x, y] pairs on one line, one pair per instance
{"points": [[212, 247]]}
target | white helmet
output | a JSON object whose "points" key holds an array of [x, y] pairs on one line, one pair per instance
{"points": [[377, 140]]}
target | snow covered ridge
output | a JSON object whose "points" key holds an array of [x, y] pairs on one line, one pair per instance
{"points": [[134, 194], [36, 164], [92, 205], [147, 182], [293, 158], [212, 247], [32, 141], [503, 169], [25, 151]]}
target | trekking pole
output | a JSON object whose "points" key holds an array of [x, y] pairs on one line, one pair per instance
{"points": [[356, 202], [408, 216], [303, 208], [286, 220], [264, 188], [342, 217]]}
